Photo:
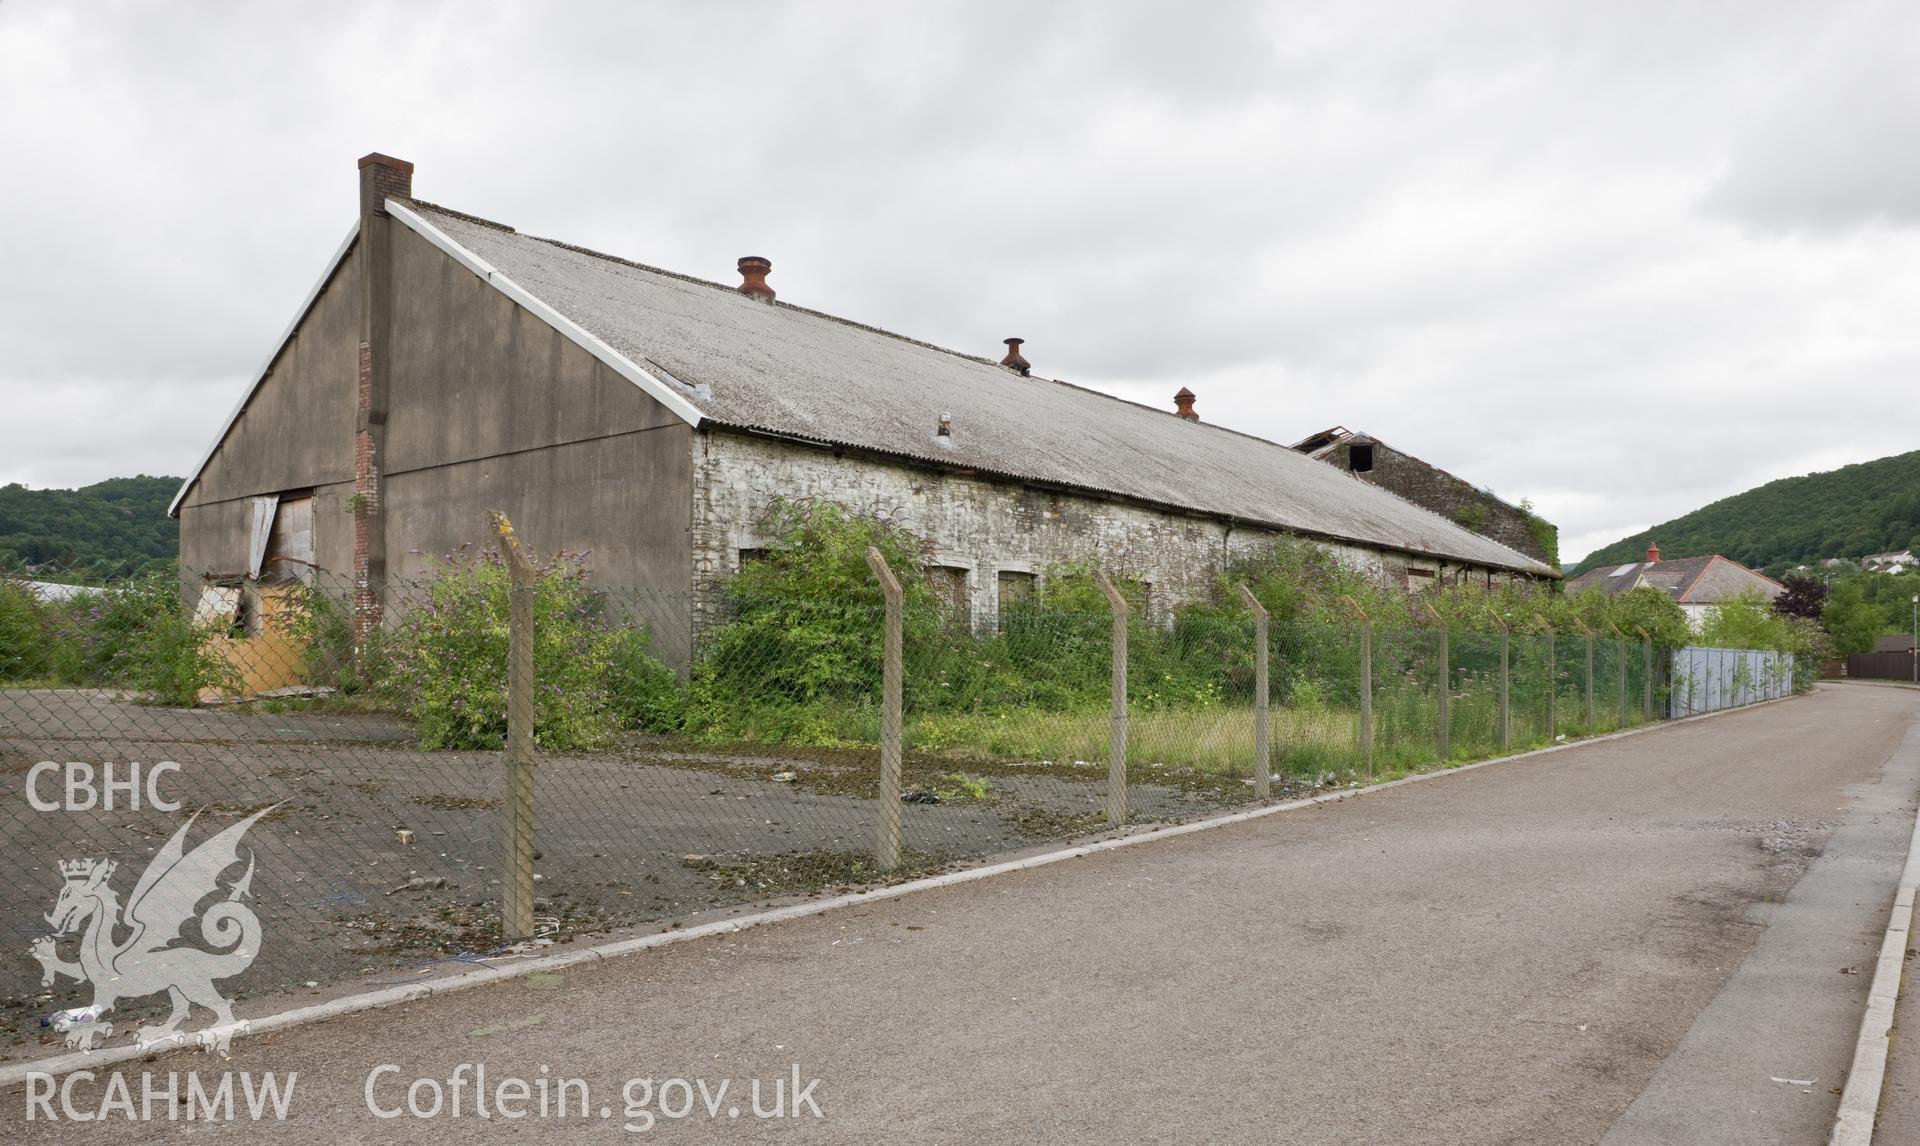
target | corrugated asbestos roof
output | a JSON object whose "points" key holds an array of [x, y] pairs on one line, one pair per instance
{"points": [[789, 371]]}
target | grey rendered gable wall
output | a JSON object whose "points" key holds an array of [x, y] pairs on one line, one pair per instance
{"points": [[295, 432], [491, 408]]}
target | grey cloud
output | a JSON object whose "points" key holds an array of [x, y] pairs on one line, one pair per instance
{"points": [[1835, 149], [1494, 233]]}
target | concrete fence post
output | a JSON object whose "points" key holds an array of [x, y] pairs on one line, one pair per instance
{"points": [[1443, 712], [1262, 753], [1553, 679], [1117, 733], [516, 871], [1646, 674], [1588, 634], [1503, 727], [1620, 674], [1366, 685], [886, 845]]}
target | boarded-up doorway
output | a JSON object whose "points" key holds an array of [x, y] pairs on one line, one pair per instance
{"points": [[290, 545]]}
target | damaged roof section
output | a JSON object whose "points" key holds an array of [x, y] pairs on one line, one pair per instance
{"points": [[774, 368]]}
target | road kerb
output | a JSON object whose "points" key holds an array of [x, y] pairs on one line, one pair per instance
{"points": [[1860, 1100]]}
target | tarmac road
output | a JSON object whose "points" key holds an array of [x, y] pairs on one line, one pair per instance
{"points": [[1634, 938]]}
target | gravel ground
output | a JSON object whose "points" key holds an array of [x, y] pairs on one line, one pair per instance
{"points": [[381, 861]]}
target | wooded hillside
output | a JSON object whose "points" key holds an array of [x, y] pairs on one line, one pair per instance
{"points": [[115, 527], [1872, 507]]}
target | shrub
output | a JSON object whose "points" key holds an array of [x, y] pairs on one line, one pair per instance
{"points": [[137, 634], [643, 693], [334, 658], [1746, 622], [805, 624], [446, 660], [1648, 608], [21, 652]]}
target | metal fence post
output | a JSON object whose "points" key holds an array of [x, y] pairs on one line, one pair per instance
{"points": [[886, 847], [1443, 714], [516, 876], [1262, 755], [1117, 736], [1366, 685]]}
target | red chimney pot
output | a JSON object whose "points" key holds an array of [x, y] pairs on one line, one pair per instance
{"points": [[1183, 404], [1653, 553], [755, 270], [1013, 361]]}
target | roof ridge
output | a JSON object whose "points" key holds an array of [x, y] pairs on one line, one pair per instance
{"points": [[498, 226]]}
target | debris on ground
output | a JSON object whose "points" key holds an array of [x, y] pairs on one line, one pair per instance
{"points": [[420, 883]]}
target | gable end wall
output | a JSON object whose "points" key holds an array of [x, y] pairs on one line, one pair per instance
{"points": [[492, 408], [295, 433], [1458, 501]]}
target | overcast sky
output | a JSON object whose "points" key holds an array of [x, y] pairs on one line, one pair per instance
{"points": [[1619, 259]]}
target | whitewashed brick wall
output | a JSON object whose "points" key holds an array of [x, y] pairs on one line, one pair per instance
{"points": [[975, 524]]}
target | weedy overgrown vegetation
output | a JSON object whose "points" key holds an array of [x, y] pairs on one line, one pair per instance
{"points": [[135, 635], [789, 654]]}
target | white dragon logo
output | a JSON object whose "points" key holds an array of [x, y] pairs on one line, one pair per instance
{"points": [[148, 959]]}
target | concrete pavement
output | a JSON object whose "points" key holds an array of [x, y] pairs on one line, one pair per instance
{"points": [[1538, 952]]}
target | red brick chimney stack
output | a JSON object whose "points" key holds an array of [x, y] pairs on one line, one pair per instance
{"points": [[382, 177], [1653, 553], [1013, 361], [755, 270], [1183, 404]]}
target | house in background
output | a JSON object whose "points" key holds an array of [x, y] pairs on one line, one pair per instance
{"points": [[1376, 463], [1697, 583], [1894, 563], [444, 366]]}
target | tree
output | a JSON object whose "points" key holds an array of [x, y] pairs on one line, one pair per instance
{"points": [[1851, 620], [1645, 607], [1746, 622], [1804, 598], [113, 528]]}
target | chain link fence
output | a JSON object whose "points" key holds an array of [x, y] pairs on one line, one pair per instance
{"points": [[355, 820]]}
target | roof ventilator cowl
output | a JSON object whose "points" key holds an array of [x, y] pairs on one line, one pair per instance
{"points": [[1013, 361]]}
